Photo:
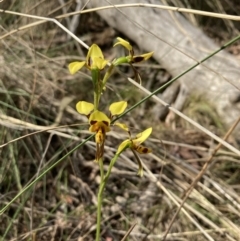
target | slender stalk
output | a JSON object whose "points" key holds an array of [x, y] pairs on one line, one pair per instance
{"points": [[95, 100], [95, 77], [99, 213], [99, 200], [110, 167], [108, 74], [102, 186]]}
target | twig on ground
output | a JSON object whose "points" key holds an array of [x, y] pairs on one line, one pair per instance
{"points": [[201, 173]]}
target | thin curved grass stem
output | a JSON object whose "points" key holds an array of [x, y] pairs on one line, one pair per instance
{"points": [[43, 174], [178, 76]]}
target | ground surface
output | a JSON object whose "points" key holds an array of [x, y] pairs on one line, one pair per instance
{"points": [[37, 91]]}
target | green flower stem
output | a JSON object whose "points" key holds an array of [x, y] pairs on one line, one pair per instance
{"points": [[99, 200], [102, 186], [113, 161], [99, 213], [108, 74], [95, 79], [122, 60], [95, 97], [99, 91]]}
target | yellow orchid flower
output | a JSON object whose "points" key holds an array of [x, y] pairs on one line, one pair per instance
{"points": [[99, 122], [135, 145], [136, 142], [94, 60], [131, 58]]}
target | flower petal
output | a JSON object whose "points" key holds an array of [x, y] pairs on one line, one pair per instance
{"points": [[84, 108], [98, 116], [124, 145], [98, 120], [75, 66], [141, 137], [118, 108], [93, 52], [142, 149], [99, 137], [124, 43], [94, 126], [142, 57], [122, 126], [99, 63]]}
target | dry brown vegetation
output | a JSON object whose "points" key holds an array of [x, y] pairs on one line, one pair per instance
{"points": [[37, 92]]}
